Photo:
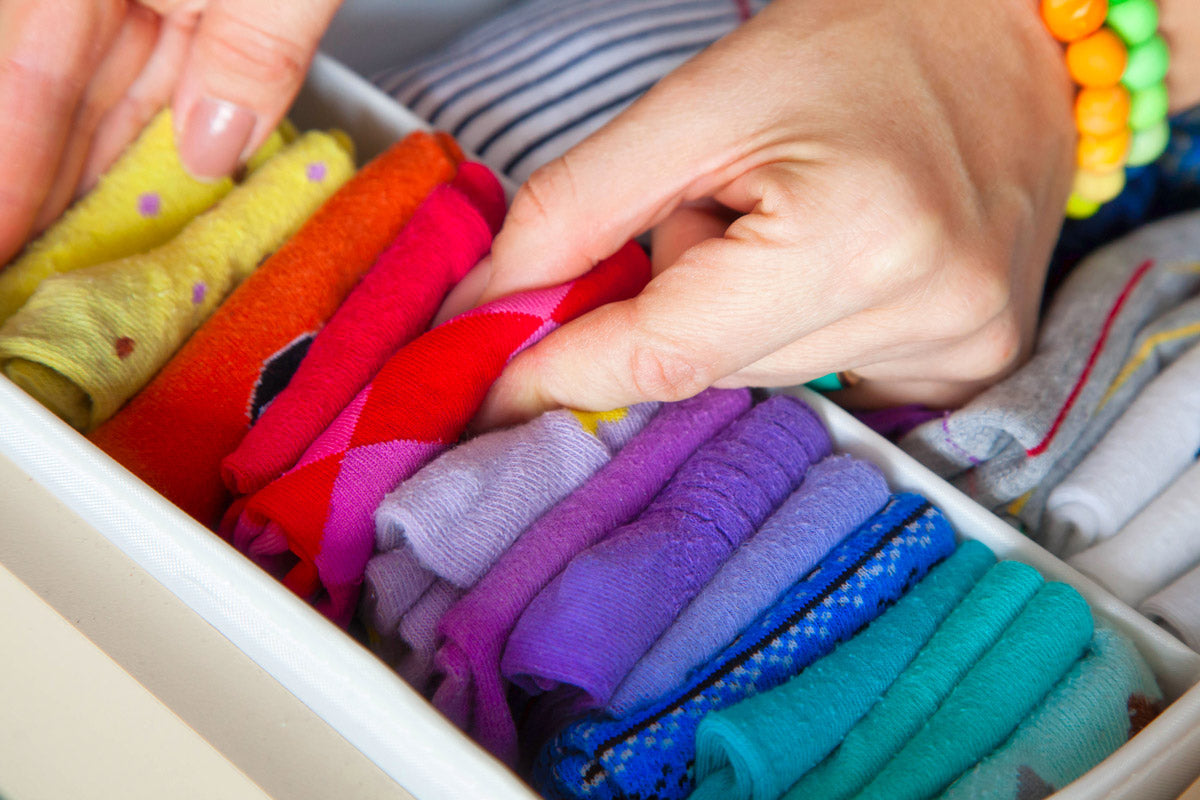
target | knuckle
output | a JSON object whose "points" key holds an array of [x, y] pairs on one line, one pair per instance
{"points": [[542, 193], [253, 53], [660, 369]]}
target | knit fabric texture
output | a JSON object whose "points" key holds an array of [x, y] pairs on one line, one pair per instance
{"points": [[144, 199], [1006, 441], [1156, 547], [395, 302], [983, 710], [464, 509], [1154, 441], [837, 495], [758, 748], [98, 334], [650, 753], [969, 632], [473, 632], [1107, 697], [205, 399], [322, 511], [533, 81], [591, 625], [1177, 608]]}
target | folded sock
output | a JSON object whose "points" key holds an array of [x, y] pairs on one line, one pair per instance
{"points": [[1156, 547], [1107, 697], [461, 511], [144, 199], [758, 748], [208, 395], [447, 235], [1004, 686], [526, 86], [1149, 446], [102, 332], [591, 624], [473, 632], [1157, 346], [1005, 442], [1177, 608], [417, 634], [969, 632], [650, 752], [394, 581], [323, 509], [837, 495]]}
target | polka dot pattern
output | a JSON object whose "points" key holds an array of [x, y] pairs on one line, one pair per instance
{"points": [[149, 204], [198, 293], [316, 171], [124, 347]]}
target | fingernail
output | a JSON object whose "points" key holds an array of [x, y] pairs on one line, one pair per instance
{"points": [[214, 136]]}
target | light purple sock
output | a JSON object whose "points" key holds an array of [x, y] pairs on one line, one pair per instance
{"points": [[464, 509], [418, 633], [394, 581], [594, 621], [838, 495], [472, 693]]}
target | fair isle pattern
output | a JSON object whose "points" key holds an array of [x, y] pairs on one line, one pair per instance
{"points": [[526, 86], [649, 755]]}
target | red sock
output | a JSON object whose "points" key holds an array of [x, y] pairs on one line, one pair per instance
{"points": [[416, 407], [445, 238], [174, 433]]}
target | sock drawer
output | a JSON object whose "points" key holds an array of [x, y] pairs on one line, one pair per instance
{"points": [[391, 739]]}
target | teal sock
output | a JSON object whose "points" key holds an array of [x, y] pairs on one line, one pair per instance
{"points": [[966, 635], [1106, 698], [771, 739], [993, 697]]}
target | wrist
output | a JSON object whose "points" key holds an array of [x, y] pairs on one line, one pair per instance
{"points": [[1179, 24]]}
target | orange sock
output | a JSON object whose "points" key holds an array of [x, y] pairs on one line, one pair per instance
{"points": [[174, 434]]}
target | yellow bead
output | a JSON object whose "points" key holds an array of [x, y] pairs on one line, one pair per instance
{"points": [[1103, 153], [1078, 208], [1069, 20], [1102, 112], [1097, 61], [1099, 187]]}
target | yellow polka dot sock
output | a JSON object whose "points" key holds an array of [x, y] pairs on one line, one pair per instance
{"points": [[143, 200], [85, 342]]}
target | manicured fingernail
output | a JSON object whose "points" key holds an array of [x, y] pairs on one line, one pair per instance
{"points": [[214, 136]]}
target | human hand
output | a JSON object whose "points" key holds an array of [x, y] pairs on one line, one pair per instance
{"points": [[80, 78], [872, 186]]}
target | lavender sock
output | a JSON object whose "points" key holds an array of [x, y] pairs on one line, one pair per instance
{"points": [[837, 496], [394, 581], [472, 693], [589, 627], [464, 509], [418, 633]]}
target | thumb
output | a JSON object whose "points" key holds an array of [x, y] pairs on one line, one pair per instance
{"points": [[616, 184], [247, 61]]}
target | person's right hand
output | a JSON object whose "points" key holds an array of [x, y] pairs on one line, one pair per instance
{"points": [[80, 78]]}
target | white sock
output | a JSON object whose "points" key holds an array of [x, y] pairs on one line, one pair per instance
{"points": [[1177, 608]]}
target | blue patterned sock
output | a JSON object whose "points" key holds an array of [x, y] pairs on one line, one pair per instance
{"points": [[650, 753]]}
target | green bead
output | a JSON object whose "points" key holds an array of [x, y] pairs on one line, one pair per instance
{"points": [[1134, 21], [1146, 146], [1148, 107], [826, 383], [1147, 64], [1079, 208]]}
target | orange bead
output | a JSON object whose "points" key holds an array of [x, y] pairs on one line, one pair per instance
{"points": [[1069, 20], [1102, 112], [1103, 153], [1097, 61]]}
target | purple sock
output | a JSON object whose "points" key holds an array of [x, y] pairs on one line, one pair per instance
{"points": [[472, 693], [594, 621], [418, 634], [464, 509], [394, 582], [837, 496]]}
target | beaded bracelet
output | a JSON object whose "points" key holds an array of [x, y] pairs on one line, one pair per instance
{"points": [[1118, 59]]}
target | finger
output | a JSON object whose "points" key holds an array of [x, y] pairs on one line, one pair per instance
{"points": [[126, 56], [47, 50], [247, 62], [684, 228], [148, 93], [465, 295], [620, 182]]}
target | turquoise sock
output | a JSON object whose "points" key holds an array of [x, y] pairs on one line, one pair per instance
{"points": [[1106, 698], [768, 741], [993, 697], [974, 627]]}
